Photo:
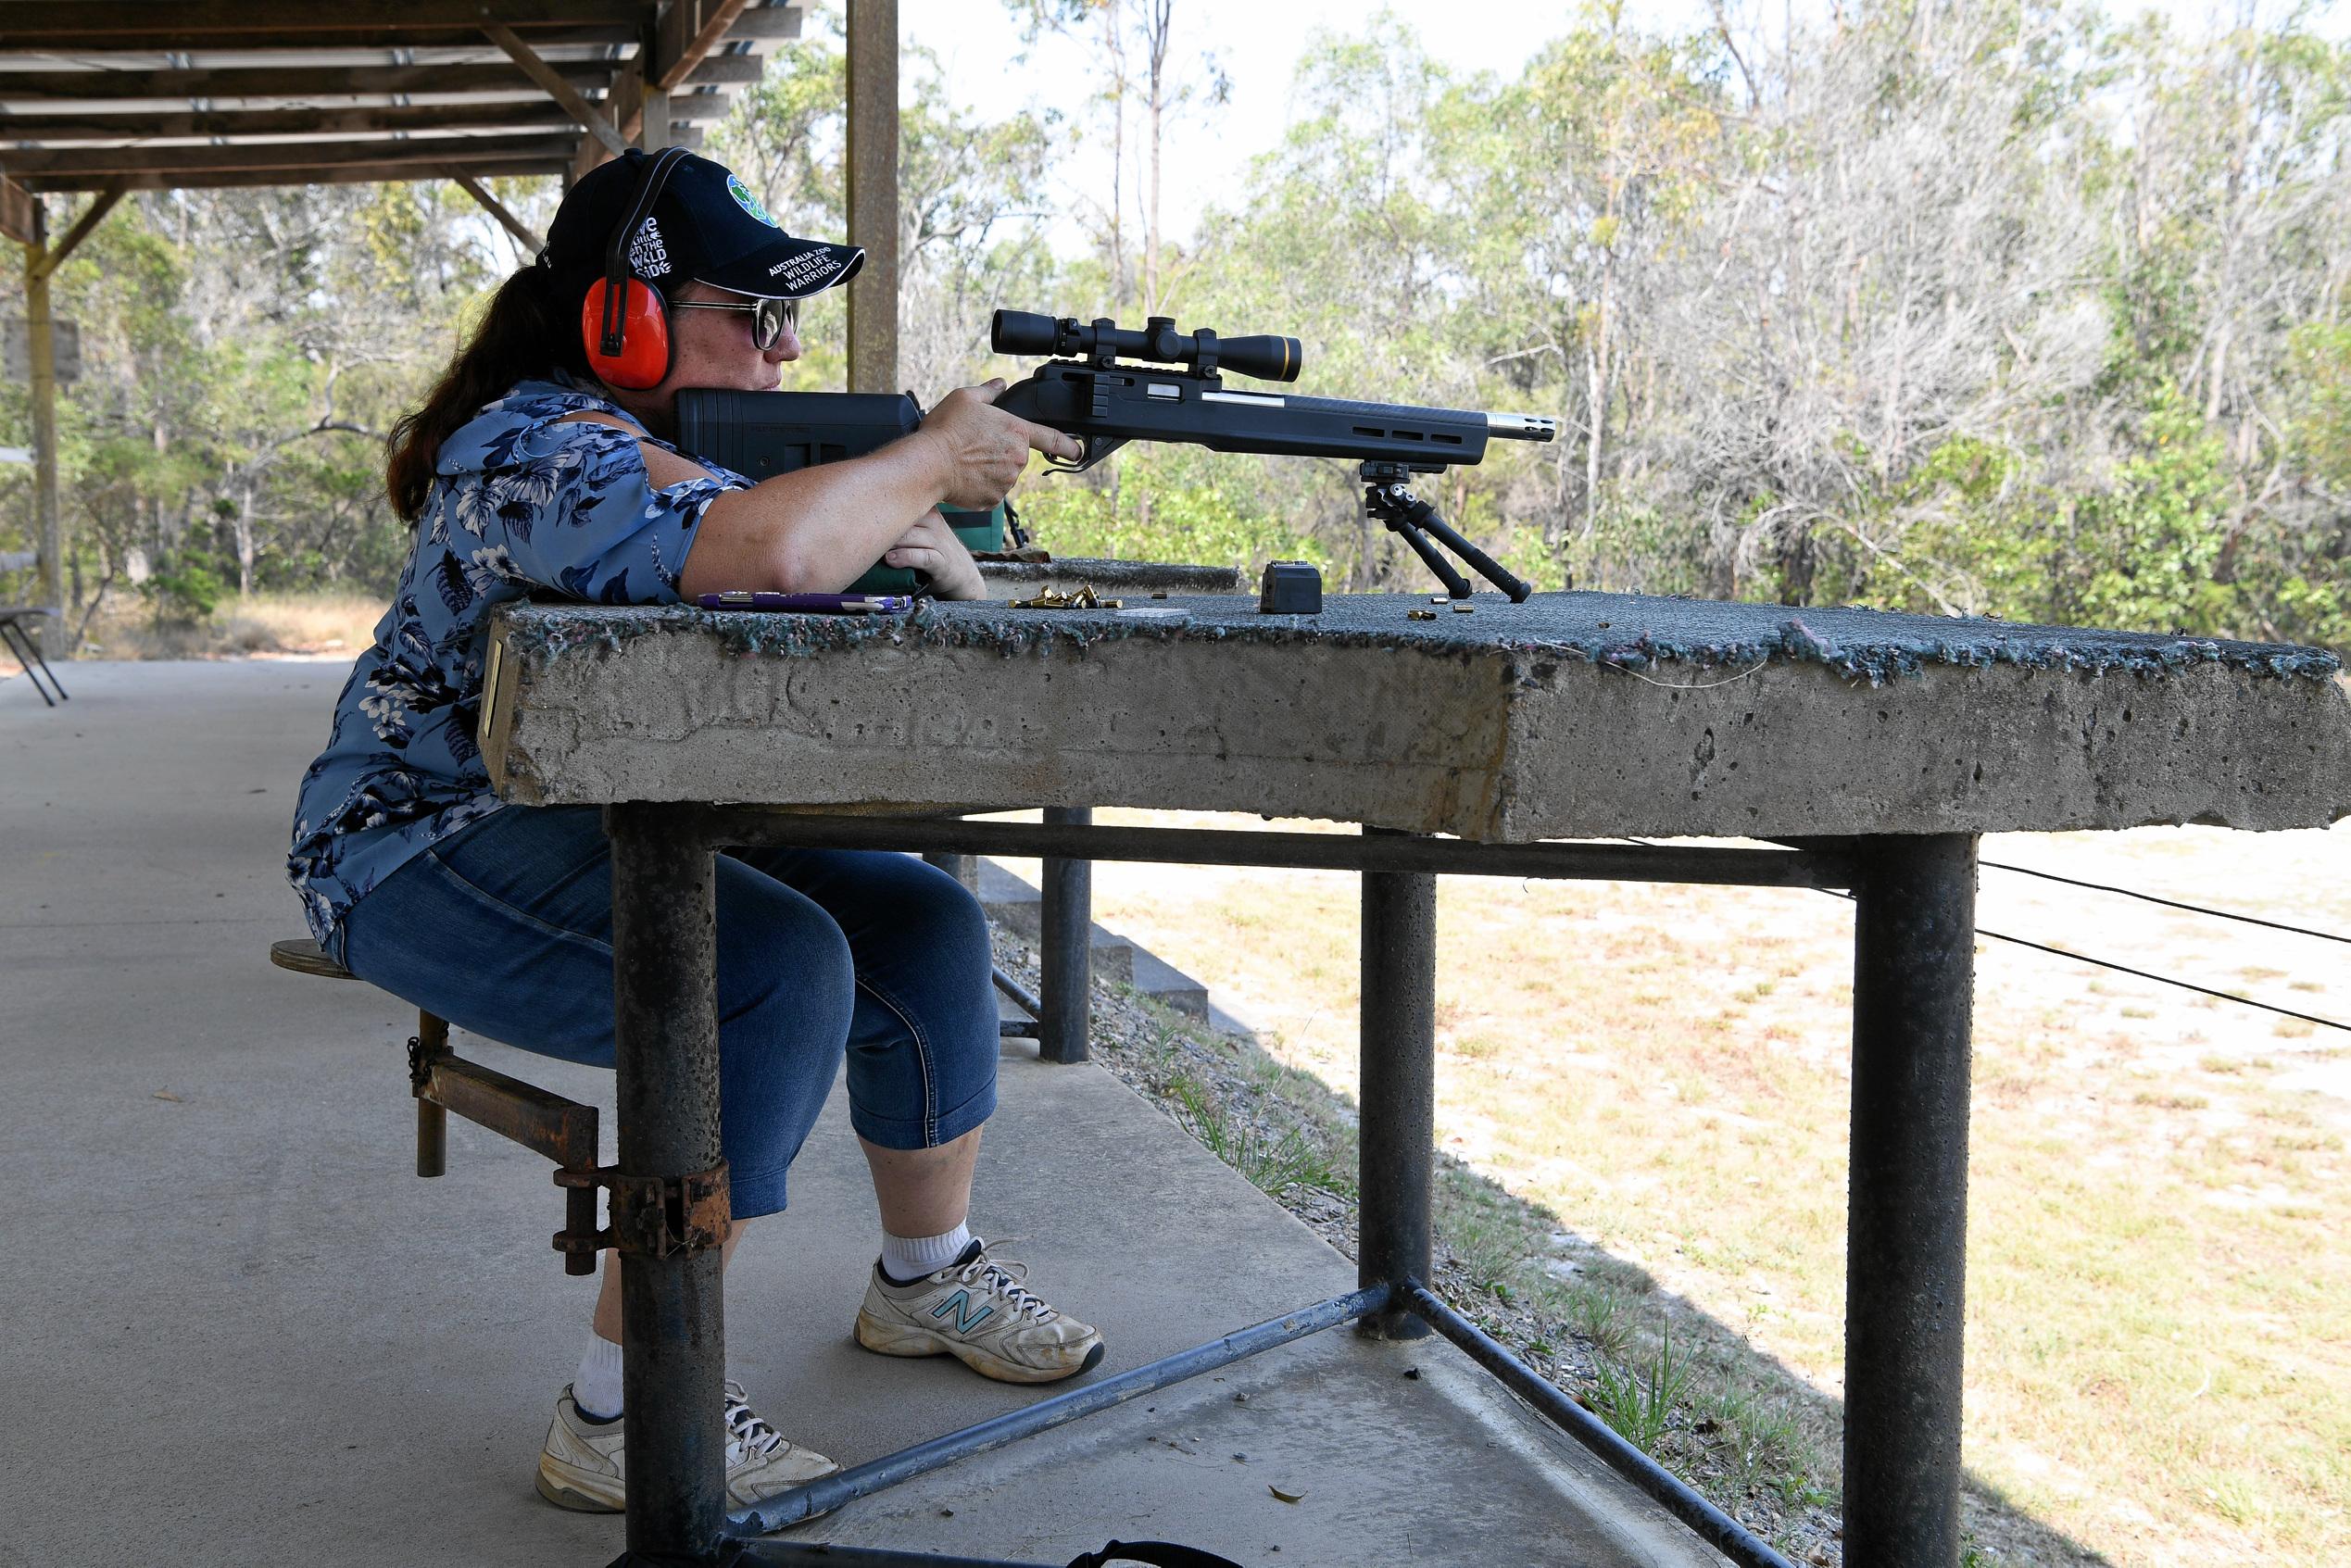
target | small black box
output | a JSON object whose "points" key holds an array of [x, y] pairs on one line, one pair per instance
{"points": [[1291, 587]]}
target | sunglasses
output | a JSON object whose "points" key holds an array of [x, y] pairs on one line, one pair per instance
{"points": [[769, 318]]}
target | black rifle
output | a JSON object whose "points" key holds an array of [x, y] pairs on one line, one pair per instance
{"points": [[761, 434], [1096, 394], [1106, 402]]}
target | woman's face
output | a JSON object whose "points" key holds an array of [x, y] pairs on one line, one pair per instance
{"points": [[714, 348]]}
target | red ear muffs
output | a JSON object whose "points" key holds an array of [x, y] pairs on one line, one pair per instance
{"points": [[644, 359]]}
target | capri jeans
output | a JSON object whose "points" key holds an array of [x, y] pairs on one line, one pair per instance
{"points": [[506, 929]]}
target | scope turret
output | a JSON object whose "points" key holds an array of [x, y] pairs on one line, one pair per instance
{"points": [[1102, 341]]}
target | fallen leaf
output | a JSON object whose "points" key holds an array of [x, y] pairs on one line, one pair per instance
{"points": [[166, 1094], [1286, 1497]]}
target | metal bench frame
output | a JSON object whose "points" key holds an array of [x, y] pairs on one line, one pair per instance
{"points": [[1913, 979], [1914, 971]]}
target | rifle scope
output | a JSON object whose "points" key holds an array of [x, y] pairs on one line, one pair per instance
{"points": [[1025, 332]]}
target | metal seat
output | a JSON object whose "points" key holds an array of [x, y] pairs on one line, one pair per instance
{"points": [[562, 1129]]}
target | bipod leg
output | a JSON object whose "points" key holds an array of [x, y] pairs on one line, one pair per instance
{"points": [[1491, 570], [1384, 503]]}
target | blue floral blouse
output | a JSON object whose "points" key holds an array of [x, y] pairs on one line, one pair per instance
{"points": [[520, 505]]}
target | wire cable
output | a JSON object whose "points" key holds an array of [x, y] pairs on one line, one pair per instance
{"points": [[2142, 973], [2109, 963], [2168, 903]]}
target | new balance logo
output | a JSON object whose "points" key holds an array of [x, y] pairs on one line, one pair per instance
{"points": [[961, 1305]]}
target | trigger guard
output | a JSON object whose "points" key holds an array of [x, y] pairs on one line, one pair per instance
{"points": [[1097, 448]]}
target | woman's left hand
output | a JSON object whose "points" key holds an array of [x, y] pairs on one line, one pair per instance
{"points": [[932, 547]]}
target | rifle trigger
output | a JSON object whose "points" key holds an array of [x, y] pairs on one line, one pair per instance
{"points": [[1097, 448]]}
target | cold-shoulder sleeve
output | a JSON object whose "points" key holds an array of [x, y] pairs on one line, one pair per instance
{"points": [[567, 505]]}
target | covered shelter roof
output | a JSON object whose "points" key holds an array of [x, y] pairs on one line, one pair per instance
{"points": [[115, 95]]}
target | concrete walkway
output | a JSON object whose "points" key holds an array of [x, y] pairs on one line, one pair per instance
{"points": [[241, 1329]]}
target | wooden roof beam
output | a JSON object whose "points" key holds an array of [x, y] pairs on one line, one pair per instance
{"points": [[693, 28], [689, 29], [20, 213], [95, 26], [590, 119], [92, 216], [535, 114], [37, 168], [290, 80], [339, 174], [307, 84], [626, 105], [524, 235]]}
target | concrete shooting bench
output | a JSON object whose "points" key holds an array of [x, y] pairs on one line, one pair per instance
{"points": [[1854, 750]]}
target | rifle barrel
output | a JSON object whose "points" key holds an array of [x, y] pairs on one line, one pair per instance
{"points": [[1522, 427]]}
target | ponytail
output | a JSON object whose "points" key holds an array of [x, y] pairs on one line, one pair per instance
{"points": [[531, 329]]}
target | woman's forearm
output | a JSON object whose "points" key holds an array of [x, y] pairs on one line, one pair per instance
{"points": [[817, 528]]}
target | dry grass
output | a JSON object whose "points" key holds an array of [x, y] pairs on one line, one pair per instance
{"points": [[259, 626], [264, 624], [2160, 1326]]}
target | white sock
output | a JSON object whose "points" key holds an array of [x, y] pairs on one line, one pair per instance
{"points": [[595, 1387], [907, 1257]]}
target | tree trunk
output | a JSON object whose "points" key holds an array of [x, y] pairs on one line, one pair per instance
{"points": [[1595, 394], [244, 540], [1113, 16], [1158, 21]]}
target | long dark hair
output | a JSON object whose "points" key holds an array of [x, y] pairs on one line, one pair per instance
{"points": [[531, 328]]}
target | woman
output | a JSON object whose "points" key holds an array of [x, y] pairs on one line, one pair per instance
{"points": [[540, 464]]}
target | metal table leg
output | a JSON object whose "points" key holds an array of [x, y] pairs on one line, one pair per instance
{"points": [[962, 868], [664, 948], [27, 652], [1914, 971], [1398, 1089], [1065, 949]]}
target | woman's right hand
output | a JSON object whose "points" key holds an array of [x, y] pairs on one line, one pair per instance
{"points": [[983, 450]]}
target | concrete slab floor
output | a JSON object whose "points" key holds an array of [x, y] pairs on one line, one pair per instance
{"points": [[241, 1330]]}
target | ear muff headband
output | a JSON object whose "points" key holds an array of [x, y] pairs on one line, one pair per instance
{"points": [[619, 302]]}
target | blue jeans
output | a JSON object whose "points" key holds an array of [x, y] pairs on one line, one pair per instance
{"points": [[506, 929]]}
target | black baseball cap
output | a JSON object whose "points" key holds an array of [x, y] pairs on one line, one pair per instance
{"points": [[707, 226]]}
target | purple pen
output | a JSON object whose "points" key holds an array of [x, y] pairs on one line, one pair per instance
{"points": [[819, 604]]}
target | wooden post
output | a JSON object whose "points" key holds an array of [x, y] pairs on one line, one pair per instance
{"points": [[40, 262], [653, 129], [20, 219], [49, 535], [872, 193]]}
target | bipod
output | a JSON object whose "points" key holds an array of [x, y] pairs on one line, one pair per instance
{"points": [[1387, 495]]}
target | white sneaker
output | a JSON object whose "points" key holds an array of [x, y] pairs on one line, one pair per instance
{"points": [[582, 1466], [978, 1310]]}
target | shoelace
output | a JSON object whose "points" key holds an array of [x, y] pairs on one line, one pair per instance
{"points": [[748, 1436], [1003, 1279]]}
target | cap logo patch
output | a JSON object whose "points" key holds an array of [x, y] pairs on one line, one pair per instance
{"points": [[747, 202], [806, 273], [649, 257]]}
